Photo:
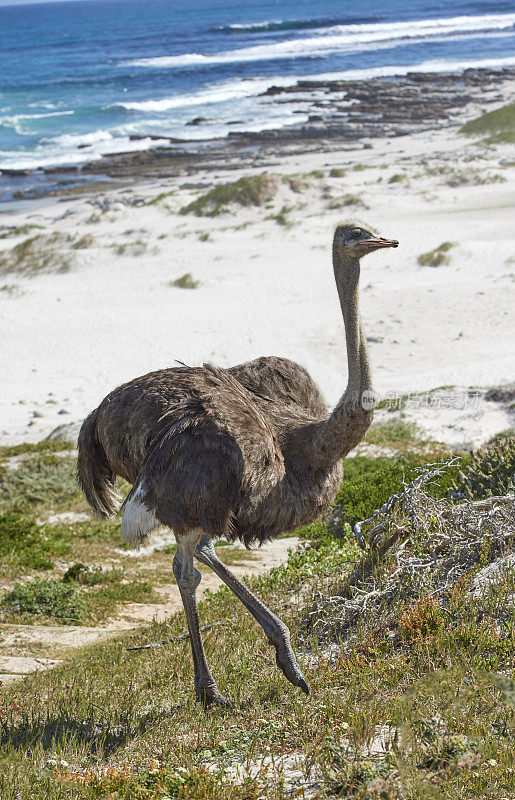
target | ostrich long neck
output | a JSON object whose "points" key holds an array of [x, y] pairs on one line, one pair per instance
{"points": [[348, 422]]}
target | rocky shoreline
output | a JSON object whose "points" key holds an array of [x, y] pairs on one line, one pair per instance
{"points": [[341, 115]]}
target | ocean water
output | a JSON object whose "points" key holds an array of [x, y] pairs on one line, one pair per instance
{"points": [[78, 79]]}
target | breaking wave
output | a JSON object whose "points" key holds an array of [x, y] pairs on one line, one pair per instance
{"points": [[339, 38]]}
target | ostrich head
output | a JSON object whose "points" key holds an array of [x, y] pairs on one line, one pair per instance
{"points": [[353, 240]]}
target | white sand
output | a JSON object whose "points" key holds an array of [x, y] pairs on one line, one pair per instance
{"points": [[265, 289]]}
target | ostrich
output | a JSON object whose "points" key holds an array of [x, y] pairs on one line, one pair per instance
{"points": [[242, 453]]}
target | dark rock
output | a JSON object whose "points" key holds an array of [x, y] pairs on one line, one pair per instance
{"points": [[16, 173], [65, 433], [501, 394]]}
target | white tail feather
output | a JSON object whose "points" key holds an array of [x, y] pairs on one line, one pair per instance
{"points": [[138, 522]]}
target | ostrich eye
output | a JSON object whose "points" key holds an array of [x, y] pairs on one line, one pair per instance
{"points": [[356, 233]]}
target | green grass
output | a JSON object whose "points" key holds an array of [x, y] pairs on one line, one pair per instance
{"points": [[282, 217], [112, 723], [40, 481], [46, 446], [83, 242], [498, 126], [394, 431], [41, 254], [186, 281], [430, 675], [89, 600], [136, 248], [397, 178], [47, 598], [255, 190], [22, 230], [337, 172], [11, 290], [473, 178], [345, 201], [159, 198], [436, 257], [24, 545]]}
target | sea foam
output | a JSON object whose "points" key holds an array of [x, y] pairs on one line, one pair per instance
{"points": [[346, 38]]}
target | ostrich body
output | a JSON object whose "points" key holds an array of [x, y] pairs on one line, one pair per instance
{"points": [[242, 453]]}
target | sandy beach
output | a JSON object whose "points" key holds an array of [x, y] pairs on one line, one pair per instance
{"points": [[265, 283]]}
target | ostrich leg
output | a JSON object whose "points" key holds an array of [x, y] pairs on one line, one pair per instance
{"points": [[276, 631], [188, 579]]}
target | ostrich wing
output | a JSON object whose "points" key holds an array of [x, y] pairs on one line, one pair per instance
{"points": [[216, 452], [281, 380]]}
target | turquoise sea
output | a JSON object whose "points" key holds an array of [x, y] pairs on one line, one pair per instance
{"points": [[78, 79]]}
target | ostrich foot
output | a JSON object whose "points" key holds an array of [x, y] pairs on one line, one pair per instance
{"points": [[288, 665], [211, 696]]}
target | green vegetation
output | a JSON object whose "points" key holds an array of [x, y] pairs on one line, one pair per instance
{"points": [[90, 576], [281, 218], [346, 200], [186, 281], [22, 230], [25, 544], [40, 482], [38, 255], [136, 248], [410, 667], [498, 126], [48, 598], [337, 172], [159, 198], [473, 177], [83, 242], [489, 472], [394, 431], [46, 446], [397, 178], [436, 257], [11, 290], [41, 254], [255, 190]]}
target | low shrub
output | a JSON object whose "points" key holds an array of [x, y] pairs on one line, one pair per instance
{"points": [[394, 431], [186, 281], [489, 473], [254, 190], [90, 576], [436, 257], [44, 597]]}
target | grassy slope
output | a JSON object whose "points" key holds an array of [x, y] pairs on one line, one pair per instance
{"points": [[112, 723], [498, 125]]}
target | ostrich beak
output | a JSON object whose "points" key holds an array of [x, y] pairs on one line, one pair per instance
{"points": [[380, 241]]}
